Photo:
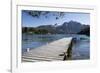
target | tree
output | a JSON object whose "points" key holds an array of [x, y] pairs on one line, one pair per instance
{"points": [[45, 13]]}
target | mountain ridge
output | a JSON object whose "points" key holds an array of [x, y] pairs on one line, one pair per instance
{"points": [[71, 27]]}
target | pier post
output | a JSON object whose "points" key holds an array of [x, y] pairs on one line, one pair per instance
{"points": [[28, 49]]}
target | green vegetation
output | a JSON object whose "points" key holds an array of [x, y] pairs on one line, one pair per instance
{"points": [[34, 30]]}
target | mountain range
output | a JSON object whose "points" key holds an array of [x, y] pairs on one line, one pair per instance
{"points": [[71, 27]]}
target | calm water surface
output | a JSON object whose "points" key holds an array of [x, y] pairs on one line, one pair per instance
{"points": [[81, 48]]}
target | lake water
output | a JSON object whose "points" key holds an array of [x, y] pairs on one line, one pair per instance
{"points": [[80, 50]]}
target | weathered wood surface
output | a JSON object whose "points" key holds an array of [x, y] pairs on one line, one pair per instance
{"points": [[48, 52]]}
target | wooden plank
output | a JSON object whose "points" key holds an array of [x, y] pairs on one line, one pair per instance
{"points": [[49, 52]]}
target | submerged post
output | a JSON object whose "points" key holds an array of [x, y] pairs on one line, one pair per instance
{"points": [[28, 49]]}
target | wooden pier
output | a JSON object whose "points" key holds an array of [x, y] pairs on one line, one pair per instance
{"points": [[56, 50]]}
